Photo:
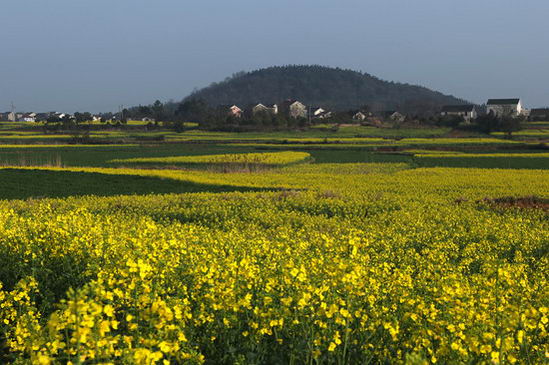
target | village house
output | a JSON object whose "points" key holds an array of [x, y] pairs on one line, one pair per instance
{"points": [[235, 111], [260, 108], [468, 112], [316, 111], [397, 117], [42, 117], [27, 117], [325, 115], [539, 114], [503, 107], [392, 116], [59, 115], [360, 116], [319, 113], [294, 109]]}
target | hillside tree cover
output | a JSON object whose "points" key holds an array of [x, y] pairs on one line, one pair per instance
{"points": [[332, 88]]}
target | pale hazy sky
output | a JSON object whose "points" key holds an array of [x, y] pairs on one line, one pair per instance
{"points": [[93, 55]]}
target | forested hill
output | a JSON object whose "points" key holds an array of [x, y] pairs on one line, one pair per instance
{"points": [[333, 88]]}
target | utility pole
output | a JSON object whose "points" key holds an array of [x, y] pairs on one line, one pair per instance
{"points": [[13, 112]]}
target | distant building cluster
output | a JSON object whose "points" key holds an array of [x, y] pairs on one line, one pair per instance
{"points": [[37, 117], [298, 110], [289, 108], [364, 115], [498, 107], [21, 117]]}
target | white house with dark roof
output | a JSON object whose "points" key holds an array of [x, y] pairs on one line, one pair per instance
{"points": [[261, 108], [505, 107], [28, 117], [468, 112]]}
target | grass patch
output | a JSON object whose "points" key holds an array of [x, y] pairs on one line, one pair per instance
{"points": [[99, 155], [42, 183], [483, 160]]}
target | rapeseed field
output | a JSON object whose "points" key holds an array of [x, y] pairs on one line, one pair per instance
{"points": [[336, 263], [249, 160]]}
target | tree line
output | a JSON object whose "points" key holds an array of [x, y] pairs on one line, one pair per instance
{"points": [[198, 112]]}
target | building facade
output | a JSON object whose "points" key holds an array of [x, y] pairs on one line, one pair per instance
{"points": [[505, 107], [319, 113], [294, 109], [235, 111], [359, 116], [260, 108], [397, 117], [539, 114], [467, 112]]}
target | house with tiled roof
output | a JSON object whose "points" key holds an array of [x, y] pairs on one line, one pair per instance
{"points": [[261, 108], [539, 114], [235, 111], [468, 112], [501, 107], [293, 109], [319, 113]]}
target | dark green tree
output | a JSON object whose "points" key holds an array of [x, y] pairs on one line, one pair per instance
{"points": [[193, 110], [450, 121], [144, 112], [510, 124], [82, 117], [52, 119], [124, 116], [158, 111], [490, 122], [487, 123], [67, 121]]}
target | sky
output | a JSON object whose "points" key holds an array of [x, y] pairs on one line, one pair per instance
{"points": [[94, 55]]}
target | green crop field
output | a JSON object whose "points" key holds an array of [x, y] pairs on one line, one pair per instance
{"points": [[35, 133], [364, 245], [510, 160]]}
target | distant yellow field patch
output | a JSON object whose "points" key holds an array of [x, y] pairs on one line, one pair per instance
{"points": [[274, 158], [20, 146]]}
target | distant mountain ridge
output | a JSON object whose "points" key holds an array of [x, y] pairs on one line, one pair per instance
{"points": [[333, 88]]}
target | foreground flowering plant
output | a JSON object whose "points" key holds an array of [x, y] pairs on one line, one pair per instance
{"points": [[348, 276]]}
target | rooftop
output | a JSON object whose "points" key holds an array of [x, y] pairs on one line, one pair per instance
{"points": [[503, 101], [539, 111], [457, 108]]}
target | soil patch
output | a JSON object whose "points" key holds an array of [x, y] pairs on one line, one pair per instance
{"points": [[529, 202]]}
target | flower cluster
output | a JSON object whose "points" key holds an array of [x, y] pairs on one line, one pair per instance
{"points": [[387, 269]]}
